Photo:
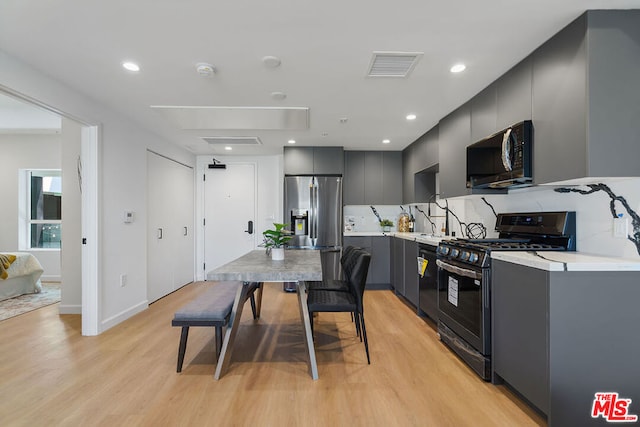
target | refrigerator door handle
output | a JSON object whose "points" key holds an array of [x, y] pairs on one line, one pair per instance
{"points": [[313, 225]]}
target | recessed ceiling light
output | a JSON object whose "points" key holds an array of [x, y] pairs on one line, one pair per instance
{"points": [[228, 148], [458, 68], [386, 141], [291, 141], [131, 66], [411, 116]]}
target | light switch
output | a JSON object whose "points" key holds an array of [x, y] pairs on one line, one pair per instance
{"points": [[128, 217]]}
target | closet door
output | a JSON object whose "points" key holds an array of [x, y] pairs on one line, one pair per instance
{"points": [[170, 213], [183, 224]]}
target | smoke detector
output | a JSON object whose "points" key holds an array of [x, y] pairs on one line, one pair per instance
{"points": [[205, 70]]}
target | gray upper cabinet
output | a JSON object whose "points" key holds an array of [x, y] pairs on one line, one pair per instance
{"points": [[614, 91], [419, 165], [353, 193], [584, 99], [484, 113], [454, 136], [559, 106], [513, 96], [373, 178], [313, 161]]}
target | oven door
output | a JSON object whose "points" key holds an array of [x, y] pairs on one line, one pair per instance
{"points": [[464, 303]]}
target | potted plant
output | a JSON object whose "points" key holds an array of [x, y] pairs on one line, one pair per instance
{"points": [[386, 225], [274, 240]]}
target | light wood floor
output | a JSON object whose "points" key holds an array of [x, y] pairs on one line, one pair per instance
{"points": [[51, 375]]}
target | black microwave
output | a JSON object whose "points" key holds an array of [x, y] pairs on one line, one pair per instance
{"points": [[503, 159]]}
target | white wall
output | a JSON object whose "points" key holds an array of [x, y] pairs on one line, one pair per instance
{"points": [[270, 177], [122, 182], [25, 151]]}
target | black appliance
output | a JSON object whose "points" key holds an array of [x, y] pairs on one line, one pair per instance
{"points": [[503, 159], [464, 278], [428, 282]]}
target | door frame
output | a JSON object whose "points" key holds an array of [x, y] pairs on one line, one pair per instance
{"points": [[90, 227]]}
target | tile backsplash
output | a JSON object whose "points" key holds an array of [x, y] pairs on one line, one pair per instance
{"points": [[594, 219]]}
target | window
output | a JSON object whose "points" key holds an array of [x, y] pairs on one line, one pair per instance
{"points": [[44, 222]]}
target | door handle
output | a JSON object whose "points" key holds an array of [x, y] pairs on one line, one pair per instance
{"points": [[249, 227]]}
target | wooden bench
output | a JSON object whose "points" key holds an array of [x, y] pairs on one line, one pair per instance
{"points": [[211, 308]]}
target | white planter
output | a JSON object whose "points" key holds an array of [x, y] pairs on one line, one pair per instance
{"points": [[277, 254]]}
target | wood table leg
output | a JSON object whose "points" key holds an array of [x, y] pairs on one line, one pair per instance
{"points": [[306, 323], [232, 329]]}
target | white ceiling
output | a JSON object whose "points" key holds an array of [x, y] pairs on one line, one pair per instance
{"points": [[325, 48]]}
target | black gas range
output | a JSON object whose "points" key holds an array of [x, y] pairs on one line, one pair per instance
{"points": [[464, 278]]}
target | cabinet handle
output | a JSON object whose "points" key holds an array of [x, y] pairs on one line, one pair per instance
{"points": [[185, 232], [159, 233]]}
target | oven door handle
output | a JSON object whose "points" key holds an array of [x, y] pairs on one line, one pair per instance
{"points": [[459, 270]]}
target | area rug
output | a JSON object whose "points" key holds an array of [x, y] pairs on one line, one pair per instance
{"points": [[24, 303]]}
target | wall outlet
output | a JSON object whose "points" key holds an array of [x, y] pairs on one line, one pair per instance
{"points": [[123, 280], [620, 228]]}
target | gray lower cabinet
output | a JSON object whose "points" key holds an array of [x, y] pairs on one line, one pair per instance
{"points": [[411, 272], [380, 249], [397, 265], [404, 273], [560, 337], [520, 298]]}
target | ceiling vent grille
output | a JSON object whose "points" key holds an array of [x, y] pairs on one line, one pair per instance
{"points": [[232, 140], [393, 64]]}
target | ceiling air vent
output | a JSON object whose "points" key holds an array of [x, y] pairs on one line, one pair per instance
{"points": [[393, 64], [232, 140]]}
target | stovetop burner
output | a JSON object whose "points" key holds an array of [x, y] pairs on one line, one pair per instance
{"points": [[542, 231]]}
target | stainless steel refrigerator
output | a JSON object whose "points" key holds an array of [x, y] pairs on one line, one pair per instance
{"points": [[313, 210]]}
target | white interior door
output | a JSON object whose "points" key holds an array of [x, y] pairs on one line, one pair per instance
{"points": [[229, 205]]}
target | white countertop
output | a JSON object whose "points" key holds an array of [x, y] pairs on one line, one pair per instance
{"points": [[414, 237], [568, 261]]}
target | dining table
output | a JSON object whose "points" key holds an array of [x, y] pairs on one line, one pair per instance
{"points": [[253, 269]]}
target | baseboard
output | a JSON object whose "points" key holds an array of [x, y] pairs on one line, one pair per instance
{"points": [[123, 315], [70, 309]]}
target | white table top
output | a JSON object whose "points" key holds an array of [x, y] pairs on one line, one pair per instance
{"points": [[257, 266], [568, 261]]}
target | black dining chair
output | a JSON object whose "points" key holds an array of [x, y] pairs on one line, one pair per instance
{"points": [[346, 261], [328, 300]]}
